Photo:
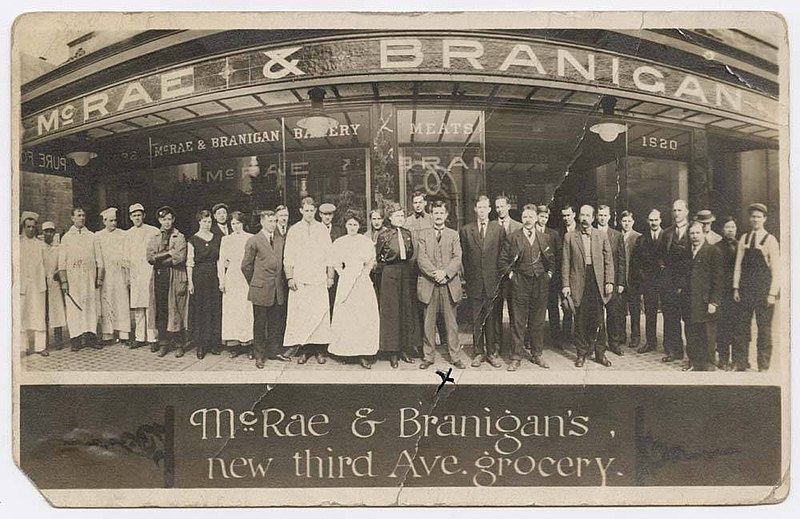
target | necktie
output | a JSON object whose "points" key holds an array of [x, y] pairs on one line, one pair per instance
{"points": [[438, 235], [483, 231], [270, 239], [654, 236]]}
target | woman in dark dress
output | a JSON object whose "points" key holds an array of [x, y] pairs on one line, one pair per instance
{"points": [[400, 335], [205, 304], [728, 310]]}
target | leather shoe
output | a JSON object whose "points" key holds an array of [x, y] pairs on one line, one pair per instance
{"points": [[215, 351], [477, 361], [579, 362], [539, 361], [234, 353], [260, 364], [646, 348], [689, 368], [668, 358], [425, 364], [154, 347], [44, 353], [393, 361], [364, 363], [163, 352], [201, 354], [321, 358], [617, 350], [514, 366], [405, 358], [281, 358], [604, 361], [302, 359], [180, 353], [495, 362], [460, 364]]}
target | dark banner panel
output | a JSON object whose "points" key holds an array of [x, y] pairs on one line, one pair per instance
{"points": [[282, 436]]}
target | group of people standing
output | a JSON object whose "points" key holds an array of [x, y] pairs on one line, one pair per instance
{"points": [[314, 288]]}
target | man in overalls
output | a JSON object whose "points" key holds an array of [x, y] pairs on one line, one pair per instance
{"points": [[755, 287]]}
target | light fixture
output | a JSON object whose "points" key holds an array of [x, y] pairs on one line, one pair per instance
{"points": [[83, 151], [317, 124], [608, 130]]}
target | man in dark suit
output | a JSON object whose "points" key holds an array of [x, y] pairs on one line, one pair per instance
{"points": [[221, 225], [554, 295], [650, 261], [701, 300], [632, 295], [439, 284], [282, 217], [509, 225], [568, 224], [677, 263], [481, 242], [615, 309], [262, 266], [528, 256], [587, 275]]}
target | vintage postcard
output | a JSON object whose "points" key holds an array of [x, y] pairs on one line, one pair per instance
{"points": [[360, 259]]}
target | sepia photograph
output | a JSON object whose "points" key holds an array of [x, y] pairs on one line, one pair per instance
{"points": [[439, 227]]}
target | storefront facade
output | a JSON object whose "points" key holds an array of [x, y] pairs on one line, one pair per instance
{"points": [[455, 115]]}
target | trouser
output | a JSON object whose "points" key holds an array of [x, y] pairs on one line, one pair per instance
{"points": [[440, 303], [673, 312], [162, 279], [145, 325], [700, 339], [588, 317], [484, 328], [554, 307], [530, 299], [651, 294], [267, 330], [616, 309], [39, 340], [504, 298], [764, 334], [633, 304]]}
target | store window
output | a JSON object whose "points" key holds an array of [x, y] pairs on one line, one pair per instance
{"points": [[441, 154]]}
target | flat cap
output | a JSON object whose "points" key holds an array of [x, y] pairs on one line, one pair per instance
{"points": [[48, 225], [135, 207], [327, 208], [705, 216], [28, 215], [220, 205], [757, 207], [165, 210]]}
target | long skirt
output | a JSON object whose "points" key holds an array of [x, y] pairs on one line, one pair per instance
{"points": [[400, 327], [205, 308]]}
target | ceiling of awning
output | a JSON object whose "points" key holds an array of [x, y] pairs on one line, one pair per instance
{"points": [[222, 114]]}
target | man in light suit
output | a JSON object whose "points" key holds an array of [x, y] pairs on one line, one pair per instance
{"points": [[632, 295], [439, 284], [701, 300], [528, 256], [587, 276], [262, 266], [509, 225], [481, 242], [615, 309]]}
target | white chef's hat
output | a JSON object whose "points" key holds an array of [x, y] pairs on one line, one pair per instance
{"points": [[109, 213], [29, 215]]}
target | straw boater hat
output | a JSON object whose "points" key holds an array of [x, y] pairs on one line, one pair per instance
{"points": [[705, 216]]}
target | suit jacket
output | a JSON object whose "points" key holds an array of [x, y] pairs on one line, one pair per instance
{"points": [[573, 268], [677, 260], [633, 276], [650, 256], [336, 232], [432, 255], [705, 283], [556, 244], [513, 226], [216, 231], [481, 257], [513, 250], [262, 266], [617, 242]]}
